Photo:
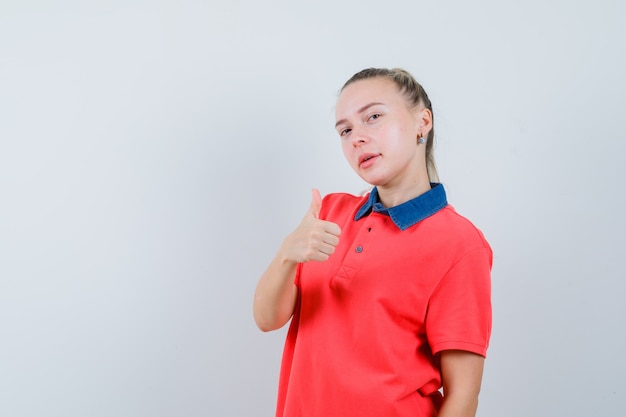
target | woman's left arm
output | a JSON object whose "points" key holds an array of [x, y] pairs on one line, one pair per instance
{"points": [[462, 373]]}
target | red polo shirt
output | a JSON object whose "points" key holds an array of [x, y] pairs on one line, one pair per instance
{"points": [[403, 284]]}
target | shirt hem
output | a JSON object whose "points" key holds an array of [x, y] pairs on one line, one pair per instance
{"points": [[476, 348]]}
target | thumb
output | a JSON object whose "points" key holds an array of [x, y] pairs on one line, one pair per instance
{"points": [[316, 203]]}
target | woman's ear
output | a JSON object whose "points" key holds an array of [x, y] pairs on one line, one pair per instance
{"points": [[424, 121]]}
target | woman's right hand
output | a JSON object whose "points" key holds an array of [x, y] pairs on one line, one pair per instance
{"points": [[313, 239], [276, 293]]}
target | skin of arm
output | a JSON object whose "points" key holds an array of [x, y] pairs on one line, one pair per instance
{"points": [[276, 294], [462, 374]]}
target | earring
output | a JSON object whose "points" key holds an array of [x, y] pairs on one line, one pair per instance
{"points": [[420, 140]]}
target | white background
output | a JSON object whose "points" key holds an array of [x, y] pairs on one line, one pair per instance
{"points": [[154, 154]]}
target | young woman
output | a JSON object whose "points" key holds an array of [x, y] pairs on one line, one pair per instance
{"points": [[388, 293]]}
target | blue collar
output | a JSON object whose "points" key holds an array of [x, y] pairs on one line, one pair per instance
{"points": [[410, 212]]}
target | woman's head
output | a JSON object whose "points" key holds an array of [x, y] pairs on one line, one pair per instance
{"points": [[415, 97]]}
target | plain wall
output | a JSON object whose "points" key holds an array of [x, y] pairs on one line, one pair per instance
{"points": [[153, 155]]}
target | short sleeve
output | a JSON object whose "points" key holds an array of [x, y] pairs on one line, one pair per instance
{"points": [[459, 309]]}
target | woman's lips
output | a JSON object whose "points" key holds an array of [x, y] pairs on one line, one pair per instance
{"points": [[368, 159]]}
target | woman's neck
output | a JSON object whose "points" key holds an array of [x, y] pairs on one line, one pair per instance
{"points": [[391, 196]]}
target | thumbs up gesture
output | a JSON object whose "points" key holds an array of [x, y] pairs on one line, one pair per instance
{"points": [[313, 239], [316, 203]]}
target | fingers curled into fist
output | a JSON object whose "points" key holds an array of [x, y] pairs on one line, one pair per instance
{"points": [[313, 239]]}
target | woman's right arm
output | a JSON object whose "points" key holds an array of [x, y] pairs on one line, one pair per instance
{"points": [[276, 293]]}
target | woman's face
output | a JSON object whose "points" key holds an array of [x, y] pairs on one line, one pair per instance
{"points": [[379, 133]]}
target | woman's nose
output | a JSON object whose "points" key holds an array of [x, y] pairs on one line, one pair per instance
{"points": [[358, 137]]}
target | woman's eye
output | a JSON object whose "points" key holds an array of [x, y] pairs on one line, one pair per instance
{"points": [[374, 116], [344, 132]]}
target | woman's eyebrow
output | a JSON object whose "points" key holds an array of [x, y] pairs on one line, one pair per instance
{"points": [[361, 110]]}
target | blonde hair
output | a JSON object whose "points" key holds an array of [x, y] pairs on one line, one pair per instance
{"points": [[414, 94]]}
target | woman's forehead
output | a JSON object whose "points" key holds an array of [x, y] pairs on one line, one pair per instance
{"points": [[363, 92]]}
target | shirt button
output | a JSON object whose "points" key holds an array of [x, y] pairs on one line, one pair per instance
{"points": [[359, 249]]}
